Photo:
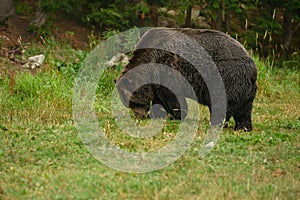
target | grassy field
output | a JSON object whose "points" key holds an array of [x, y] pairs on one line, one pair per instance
{"points": [[42, 157]]}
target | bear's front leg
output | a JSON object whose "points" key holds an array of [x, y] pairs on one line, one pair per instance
{"points": [[157, 109], [171, 103]]}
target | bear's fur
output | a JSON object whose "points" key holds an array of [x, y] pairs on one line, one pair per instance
{"points": [[236, 68]]}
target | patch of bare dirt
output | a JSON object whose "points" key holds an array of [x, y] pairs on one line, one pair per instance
{"points": [[15, 38], [73, 32]]}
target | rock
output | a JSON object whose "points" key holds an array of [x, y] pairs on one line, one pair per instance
{"points": [[35, 61], [197, 20], [200, 22], [120, 58], [171, 12], [163, 10], [195, 13], [166, 22]]}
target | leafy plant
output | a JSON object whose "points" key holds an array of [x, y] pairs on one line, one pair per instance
{"points": [[44, 31], [67, 6], [23, 8]]}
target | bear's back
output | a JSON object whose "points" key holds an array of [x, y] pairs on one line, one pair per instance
{"points": [[217, 44]]}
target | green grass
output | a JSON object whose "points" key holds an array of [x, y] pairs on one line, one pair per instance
{"points": [[42, 157]]}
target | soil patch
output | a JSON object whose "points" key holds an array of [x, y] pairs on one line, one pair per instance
{"points": [[15, 37]]}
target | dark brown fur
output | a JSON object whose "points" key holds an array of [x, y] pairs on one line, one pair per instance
{"points": [[236, 68]]}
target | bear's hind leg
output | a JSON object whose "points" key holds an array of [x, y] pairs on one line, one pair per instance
{"points": [[242, 117]]}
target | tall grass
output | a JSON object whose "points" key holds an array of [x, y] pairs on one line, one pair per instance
{"points": [[41, 98]]}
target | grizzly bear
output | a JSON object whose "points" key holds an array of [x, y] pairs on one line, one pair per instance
{"points": [[235, 66]]}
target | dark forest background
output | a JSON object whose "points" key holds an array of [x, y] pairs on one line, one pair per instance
{"points": [[271, 28]]}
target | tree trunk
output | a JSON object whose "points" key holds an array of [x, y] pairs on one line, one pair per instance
{"points": [[154, 15], [227, 21], [188, 17], [287, 30], [218, 22], [7, 9]]}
